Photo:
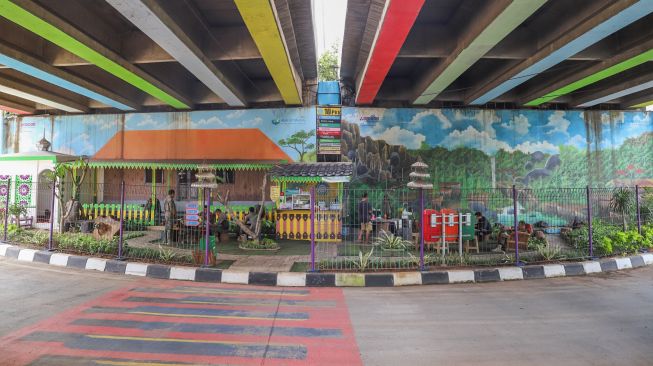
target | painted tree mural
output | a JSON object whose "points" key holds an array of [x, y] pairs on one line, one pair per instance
{"points": [[300, 142]]}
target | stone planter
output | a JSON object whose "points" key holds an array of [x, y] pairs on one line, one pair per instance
{"points": [[259, 250], [392, 252]]}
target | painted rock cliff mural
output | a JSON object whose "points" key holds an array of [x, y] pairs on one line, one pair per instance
{"points": [[500, 148]]}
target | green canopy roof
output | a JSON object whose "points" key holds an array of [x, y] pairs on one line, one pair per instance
{"points": [[176, 165]]}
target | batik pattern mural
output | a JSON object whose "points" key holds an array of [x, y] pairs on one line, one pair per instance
{"points": [[23, 189], [500, 148], [4, 190]]}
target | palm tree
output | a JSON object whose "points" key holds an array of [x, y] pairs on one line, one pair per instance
{"points": [[622, 202]]}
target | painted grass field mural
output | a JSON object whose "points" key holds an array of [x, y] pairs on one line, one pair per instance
{"points": [[500, 148]]}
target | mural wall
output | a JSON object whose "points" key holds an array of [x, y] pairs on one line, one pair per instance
{"points": [[292, 129], [469, 147], [499, 148]]}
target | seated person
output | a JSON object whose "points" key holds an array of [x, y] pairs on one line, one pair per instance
{"points": [[482, 229], [522, 227]]}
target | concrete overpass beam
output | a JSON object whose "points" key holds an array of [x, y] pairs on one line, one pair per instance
{"points": [[396, 22], [497, 21], [151, 18], [20, 89], [591, 29], [44, 23]]}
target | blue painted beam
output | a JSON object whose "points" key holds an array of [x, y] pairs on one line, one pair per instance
{"points": [[60, 82], [623, 18]]}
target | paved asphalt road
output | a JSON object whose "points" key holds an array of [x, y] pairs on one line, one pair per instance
{"points": [[65, 317]]}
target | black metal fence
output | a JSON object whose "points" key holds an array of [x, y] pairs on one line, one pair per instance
{"points": [[345, 229]]}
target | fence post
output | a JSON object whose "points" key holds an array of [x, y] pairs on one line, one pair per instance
{"points": [[460, 236], [515, 227], [51, 238], [7, 208], [421, 229], [122, 220], [589, 222], [312, 229], [206, 228], [639, 219]]}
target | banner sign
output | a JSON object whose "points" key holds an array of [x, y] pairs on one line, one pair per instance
{"points": [[192, 214], [328, 130]]}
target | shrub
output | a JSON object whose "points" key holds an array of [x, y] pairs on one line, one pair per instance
{"points": [[17, 210], [548, 252], [535, 242], [363, 261], [390, 241]]}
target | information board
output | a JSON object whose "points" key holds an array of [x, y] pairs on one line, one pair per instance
{"points": [[192, 214], [328, 130]]}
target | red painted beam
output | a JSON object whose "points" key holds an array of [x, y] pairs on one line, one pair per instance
{"points": [[14, 110], [395, 25]]}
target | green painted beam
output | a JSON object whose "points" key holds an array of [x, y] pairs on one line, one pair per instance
{"points": [[506, 18], [33, 23], [591, 79]]}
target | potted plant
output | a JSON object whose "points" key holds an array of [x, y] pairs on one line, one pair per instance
{"points": [[391, 245], [622, 203], [17, 211], [198, 253]]}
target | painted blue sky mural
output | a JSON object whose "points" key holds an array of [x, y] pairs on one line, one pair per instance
{"points": [[493, 130], [85, 135]]}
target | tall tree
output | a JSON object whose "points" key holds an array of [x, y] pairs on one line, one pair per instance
{"points": [[327, 65], [299, 142]]}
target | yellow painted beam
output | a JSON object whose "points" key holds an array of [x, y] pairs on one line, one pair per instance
{"points": [[263, 24]]}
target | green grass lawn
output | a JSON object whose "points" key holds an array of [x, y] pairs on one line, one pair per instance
{"points": [[223, 263], [288, 247], [300, 267]]}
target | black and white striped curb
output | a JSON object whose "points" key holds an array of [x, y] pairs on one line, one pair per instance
{"points": [[296, 279]]}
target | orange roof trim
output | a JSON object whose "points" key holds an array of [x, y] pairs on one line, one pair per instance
{"points": [[246, 144]]}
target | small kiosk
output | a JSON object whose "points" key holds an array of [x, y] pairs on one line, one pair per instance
{"points": [[24, 180], [291, 193]]}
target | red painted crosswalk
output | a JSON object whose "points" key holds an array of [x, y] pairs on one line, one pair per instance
{"points": [[172, 323]]}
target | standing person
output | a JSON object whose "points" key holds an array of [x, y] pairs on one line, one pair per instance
{"points": [[364, 218], [156, 209], [250, 220], [222, 223], [170, 214]]}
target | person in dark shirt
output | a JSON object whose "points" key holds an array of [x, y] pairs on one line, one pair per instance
{"points": [[482, 227], [364, 218]]}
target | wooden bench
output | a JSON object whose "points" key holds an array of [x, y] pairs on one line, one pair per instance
{"points": [[522, 236], [25, 221]]}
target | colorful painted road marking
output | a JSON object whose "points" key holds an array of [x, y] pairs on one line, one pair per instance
{"points": [[163, 323]]}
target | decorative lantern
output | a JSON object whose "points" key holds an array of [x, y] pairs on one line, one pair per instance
{"points": [[205, 177], [419, 176], [43, 145]]}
